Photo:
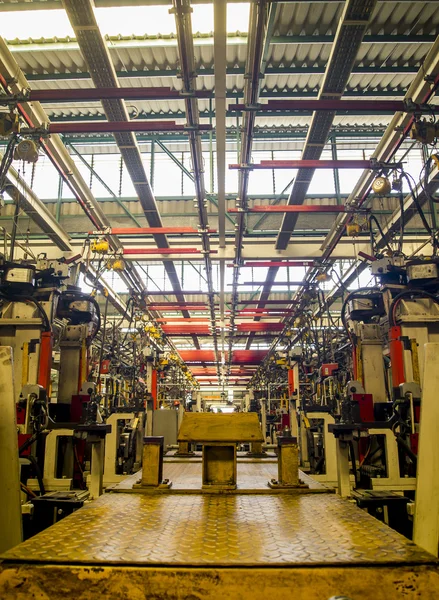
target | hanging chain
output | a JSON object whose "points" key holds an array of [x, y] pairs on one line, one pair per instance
{"points": [[120, 176], [32, 177], [92, 164]]}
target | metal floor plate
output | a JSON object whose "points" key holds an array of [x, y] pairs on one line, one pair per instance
{"points": [[196, 530]]}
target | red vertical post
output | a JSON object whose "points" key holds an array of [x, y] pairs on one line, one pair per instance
{"points": [[45, 363], [291, 388], [154, 387], [396, 356]]}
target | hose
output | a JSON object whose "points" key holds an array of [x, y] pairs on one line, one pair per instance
{"points": [[417, 204], [405, 293], [349, 297], [47, 326], [383, 237], [38, 473]]}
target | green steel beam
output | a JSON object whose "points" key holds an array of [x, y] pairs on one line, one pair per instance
{"points": [[204, 114]]}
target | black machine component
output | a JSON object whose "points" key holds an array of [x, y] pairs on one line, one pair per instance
{"points": [[389, 507], [51, 508]]}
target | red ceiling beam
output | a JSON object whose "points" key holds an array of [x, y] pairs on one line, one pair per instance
{"points": [[96, 94], [179, 307], [261, 315], [292, 208], [372, 106], [251, 357], [183, 320], [264, 310], [148, 231], [268, 302], [273, 263], [239, 357], [306, 164], [196, 356], [119, 127], [174, 293]]}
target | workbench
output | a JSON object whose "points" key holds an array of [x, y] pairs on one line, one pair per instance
{"points": [[209, 546]]}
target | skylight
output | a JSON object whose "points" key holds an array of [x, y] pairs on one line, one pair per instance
{"points": [[126, 21]]}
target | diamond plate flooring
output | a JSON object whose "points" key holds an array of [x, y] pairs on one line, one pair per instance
{"points": [[196, 530]]}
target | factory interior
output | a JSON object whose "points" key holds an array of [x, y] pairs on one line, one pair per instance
{"points": [[219, 299]]}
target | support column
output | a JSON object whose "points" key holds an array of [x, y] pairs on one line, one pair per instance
{"points": [[97, 468], [344, 482], [10, 512], [426, 523]]}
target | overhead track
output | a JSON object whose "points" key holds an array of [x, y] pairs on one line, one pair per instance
{"points": [[261, 23], [182, 10]]}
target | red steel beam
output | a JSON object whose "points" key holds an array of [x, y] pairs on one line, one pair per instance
{"points": [[273, 263], [253, 315], [243, 357], [183, 320], [293, 208], [122, 93], [174, 293], [119, 127], [264, 310], [371, 106], [148, 231], [179, 307], [196, 356], [269, 302]]}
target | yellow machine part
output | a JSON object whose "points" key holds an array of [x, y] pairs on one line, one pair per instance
{"points": [[415, 361], [352, 229], [382, 186], [100, 246]]}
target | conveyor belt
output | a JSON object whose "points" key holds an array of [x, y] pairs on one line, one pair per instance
{"points": [[199, 547]]}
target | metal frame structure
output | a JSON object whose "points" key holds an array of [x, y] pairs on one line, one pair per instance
{"points": [[174, 112]]}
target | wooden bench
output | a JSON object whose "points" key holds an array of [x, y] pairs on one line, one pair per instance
{"points": [[219, 434]]}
